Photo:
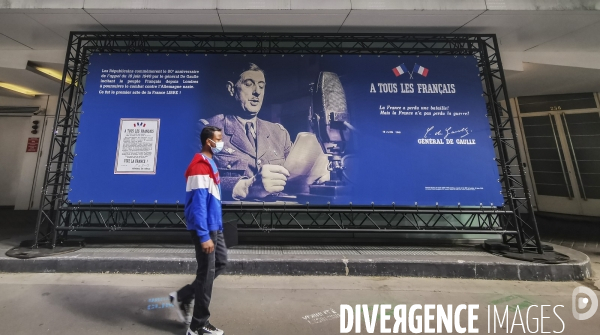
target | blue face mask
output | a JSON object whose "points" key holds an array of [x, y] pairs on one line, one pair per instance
{"points": [[218, 146]]}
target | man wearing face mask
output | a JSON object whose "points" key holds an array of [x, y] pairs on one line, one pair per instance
{"points": [[251, 162], [204, 221]]}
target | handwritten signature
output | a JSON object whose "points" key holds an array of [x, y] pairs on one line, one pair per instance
{"points": [[447, 132]]}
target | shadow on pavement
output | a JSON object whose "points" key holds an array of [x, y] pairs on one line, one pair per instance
{"points": [[120, 306]]}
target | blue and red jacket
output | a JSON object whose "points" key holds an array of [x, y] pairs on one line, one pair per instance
{"points": [[203, 197]]}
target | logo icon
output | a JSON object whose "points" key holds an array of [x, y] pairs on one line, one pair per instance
{"points": [[401, 69], [581, 299], [139, 124]]}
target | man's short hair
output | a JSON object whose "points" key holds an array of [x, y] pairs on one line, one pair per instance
{"points": [[208, 132], [250, 67]]}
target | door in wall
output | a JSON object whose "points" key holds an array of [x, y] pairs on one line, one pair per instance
{"points": [[12, 150], [563, 153]]}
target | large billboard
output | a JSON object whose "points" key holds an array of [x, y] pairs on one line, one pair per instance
{"points": [[360, 129]]}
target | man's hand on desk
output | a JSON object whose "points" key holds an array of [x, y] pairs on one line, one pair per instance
{"points": [[270, 179]]}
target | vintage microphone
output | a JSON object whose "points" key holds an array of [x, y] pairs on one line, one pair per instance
{"points": [[330, 122], [329, 112]]}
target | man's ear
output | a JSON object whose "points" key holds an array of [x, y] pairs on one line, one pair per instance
{"points": [[231, 88]]}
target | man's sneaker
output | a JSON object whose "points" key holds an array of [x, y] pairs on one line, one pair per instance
{"points": [[184, 310], [208, 329], [212, 329]]}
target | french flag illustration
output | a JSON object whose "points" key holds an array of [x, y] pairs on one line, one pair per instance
{"points": [[203, 197], [399, 70], [420, 70]]}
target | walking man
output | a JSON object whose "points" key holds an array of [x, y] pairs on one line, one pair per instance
{"points": [[204, 221]]}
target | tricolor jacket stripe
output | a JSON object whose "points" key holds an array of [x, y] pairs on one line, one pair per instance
{"points": [[203, 198]]}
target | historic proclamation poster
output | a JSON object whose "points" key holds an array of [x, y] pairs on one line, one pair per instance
{"points": [[137, 147]]}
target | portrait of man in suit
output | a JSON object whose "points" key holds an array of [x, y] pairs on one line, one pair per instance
{"points": [[251, 162]]}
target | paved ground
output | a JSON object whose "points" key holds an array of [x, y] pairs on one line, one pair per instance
{"points": [[136, 304]]}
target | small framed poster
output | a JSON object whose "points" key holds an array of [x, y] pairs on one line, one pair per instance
{"points": [[137, 146]]}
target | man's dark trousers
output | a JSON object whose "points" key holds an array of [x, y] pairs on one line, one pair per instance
{"points": [[209, 267]]}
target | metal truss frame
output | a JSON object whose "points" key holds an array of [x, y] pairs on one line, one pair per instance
{"points": [[513, 219]]}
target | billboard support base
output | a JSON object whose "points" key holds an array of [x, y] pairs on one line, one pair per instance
{"points": [[40, 251], [495, 246], [511, 250], [548, 257]]}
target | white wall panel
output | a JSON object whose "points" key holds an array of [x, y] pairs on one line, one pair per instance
{"points": [[123, 6], [254, 4], [543, 5], [10, 44], [38, 5], [545, 28], [29, 32], [160, 22], [63, 24], [418, 5], [17, 59], [499, 23], [282, 22], [586, 39], [403, 21], [537, 79], [321, 5]]}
